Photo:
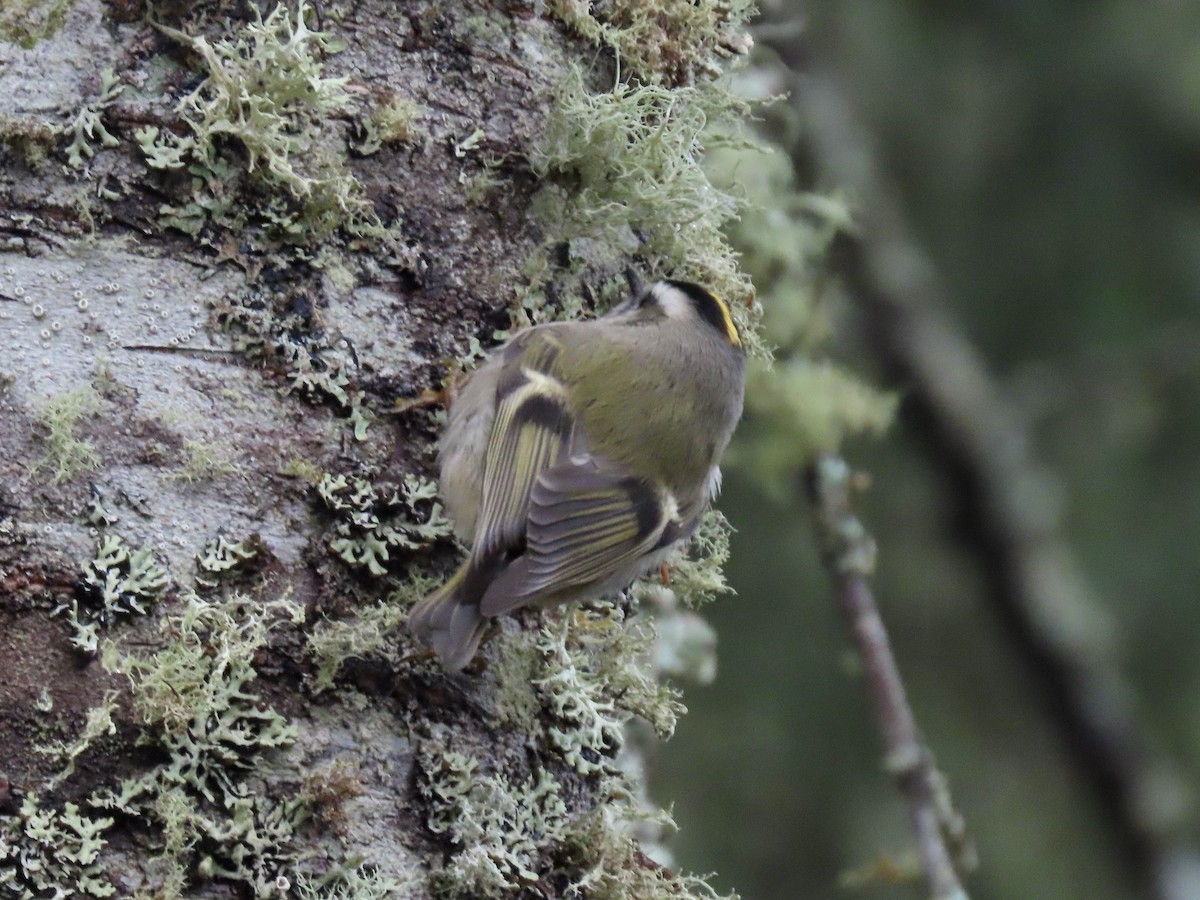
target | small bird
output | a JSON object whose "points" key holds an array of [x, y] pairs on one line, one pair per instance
{"points": [[580, 454]]}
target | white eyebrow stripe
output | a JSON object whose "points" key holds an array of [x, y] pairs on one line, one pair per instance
{"points": [[673, 302]]}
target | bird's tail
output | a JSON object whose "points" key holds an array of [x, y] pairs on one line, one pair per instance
{"points": [[449, 620]]}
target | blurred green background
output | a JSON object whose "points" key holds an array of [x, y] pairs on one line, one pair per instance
{"points": [[1047, 158]]}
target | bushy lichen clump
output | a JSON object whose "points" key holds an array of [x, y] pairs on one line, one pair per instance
{"points": [[504, 833], [211, 807], [802, 404], [623, 163], [669, 42], [509, 826], [66, 453], [371, 632], [375, 520], [514, 835], [596, 676], [264, 90]]}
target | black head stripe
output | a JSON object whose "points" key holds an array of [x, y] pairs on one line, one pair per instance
{"points": [[646, 506], [711, 309]]}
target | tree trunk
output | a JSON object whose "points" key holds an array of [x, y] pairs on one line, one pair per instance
{"points": [[232, 239]]}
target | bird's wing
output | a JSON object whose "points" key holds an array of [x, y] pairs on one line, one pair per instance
{"points": [[586, 525], [533, 427]]}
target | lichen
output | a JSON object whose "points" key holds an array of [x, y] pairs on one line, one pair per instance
{"points": [[801, 403], [696, 571], [376, 520], [264, 89], [624, 176], [203, 461], [221, 556], [395, 121], [671, 42], [510, 834], [96, 512], [67, 454], [503, 831], [87, 126], [315, 372], [595, 677], [369, 633], [207, 801], [26, 22], [34, 139], [360, 883], [99, 722], [117, 582], [52, 853]]}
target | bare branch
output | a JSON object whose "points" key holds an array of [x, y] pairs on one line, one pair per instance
{"points": [[848, 552]]}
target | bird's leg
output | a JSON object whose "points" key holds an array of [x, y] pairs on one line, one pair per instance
{"points": [[443, 396]]}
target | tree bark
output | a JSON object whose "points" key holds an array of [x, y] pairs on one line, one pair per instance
{"points": [[229, 245]]}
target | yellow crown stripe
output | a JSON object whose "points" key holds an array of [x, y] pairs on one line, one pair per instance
{"points": [[731, 330]]}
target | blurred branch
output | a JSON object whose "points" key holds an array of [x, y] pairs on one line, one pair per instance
{"points": [[1005, 516], [848, 552]]}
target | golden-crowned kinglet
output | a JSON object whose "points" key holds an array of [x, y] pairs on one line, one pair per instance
{"points": [[580, 454]]}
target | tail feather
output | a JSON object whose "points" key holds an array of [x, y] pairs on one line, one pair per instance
{"points": [[449, 620]]}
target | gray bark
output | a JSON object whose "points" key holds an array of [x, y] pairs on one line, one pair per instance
{"points": [[210, 523]]}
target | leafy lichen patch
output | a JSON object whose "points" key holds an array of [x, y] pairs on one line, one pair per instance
{"points": [[376, 520], [196, 698], [52, 853], [117, 582]]}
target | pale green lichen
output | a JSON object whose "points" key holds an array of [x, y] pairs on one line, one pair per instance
{"points": [[507, 833], [370, 633], [624, 174], [221, 556], [802, 404], [67, 454], [315, 372], [394, 121], [673, 42], [203, 461], [503, 832], [87, 127], [26, 22], [117, 582], [696, 571], [99, 722], [49, 853], [596, 676], [194, 696], [376, 520], [360, 883], [608, 862], [96, 513], [801, 407], [265, 89]]}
